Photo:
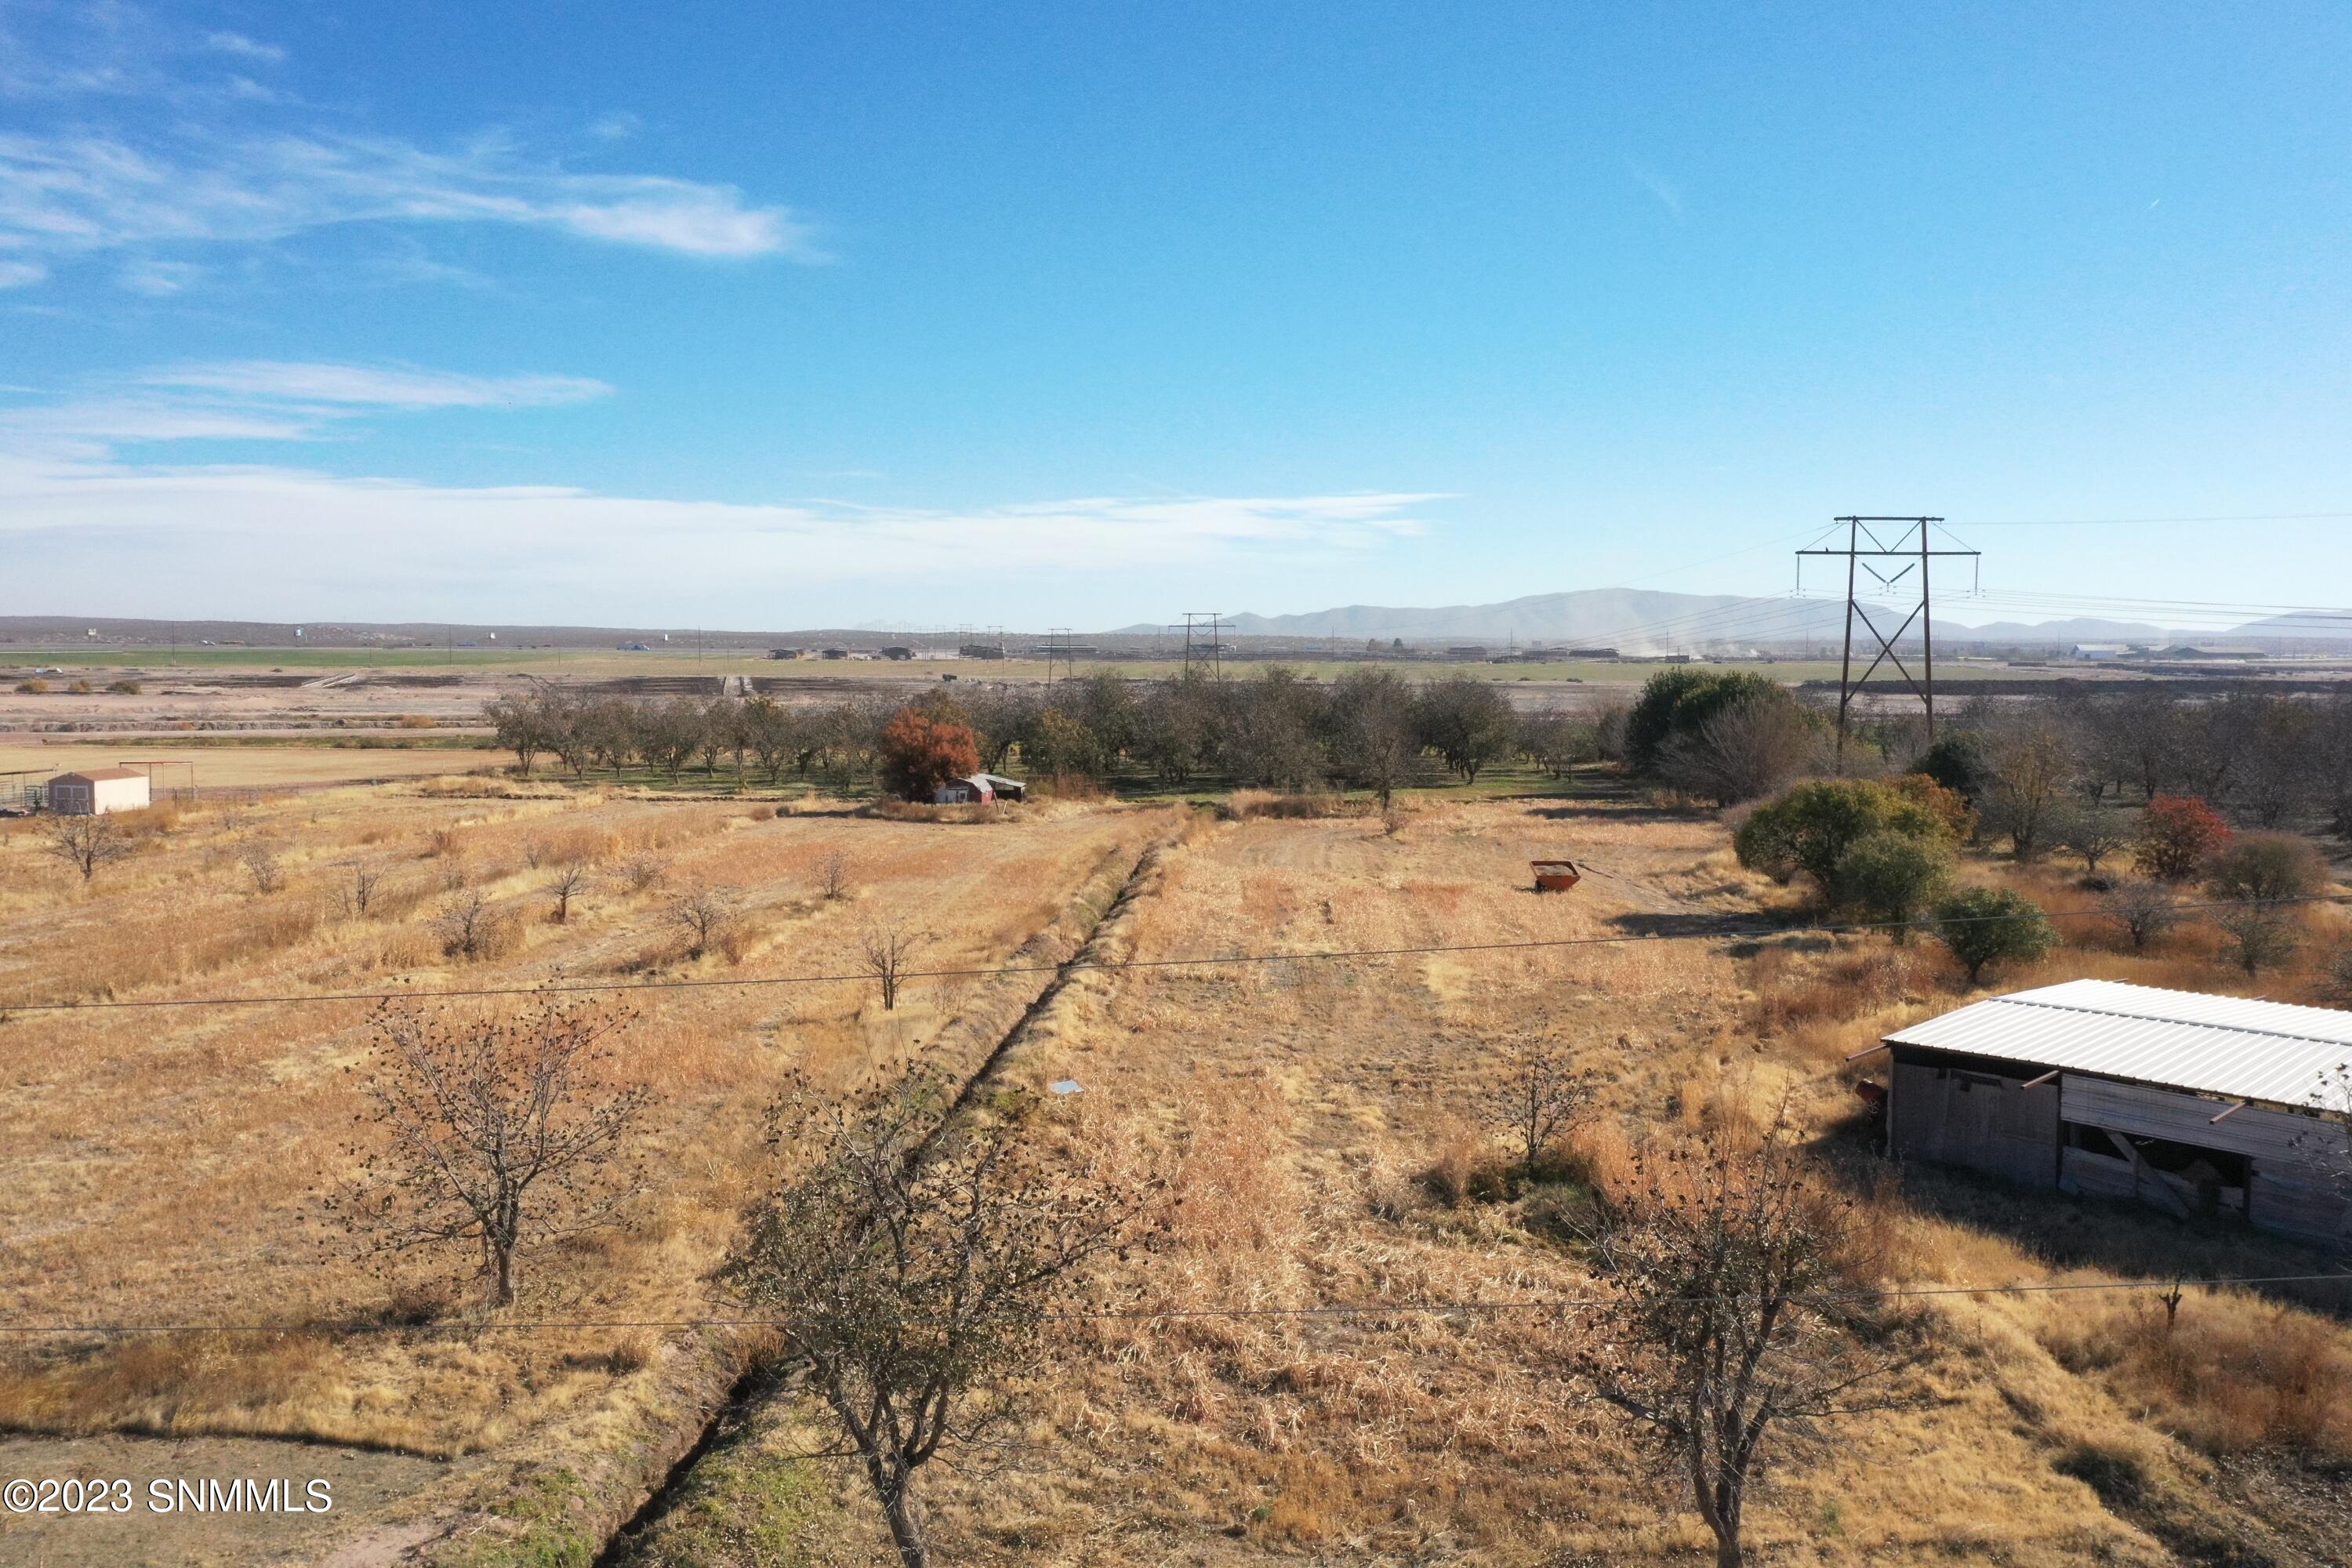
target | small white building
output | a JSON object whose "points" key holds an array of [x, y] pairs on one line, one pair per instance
{"points": [[97, 792], [2094, 651], [980, 789]]}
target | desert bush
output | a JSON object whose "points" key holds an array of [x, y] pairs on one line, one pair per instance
{"points": [[1984, 926], [1743, 751], [261, 863], [1680, 701], [643, 872], [2268, 868], [33, 687], [1809, 828], [2091, 831], [2177, 835], [2256, 937], [704, 915], [2142, 911], [1891, 876], [470, 928], [123, 688], [833, 876]]}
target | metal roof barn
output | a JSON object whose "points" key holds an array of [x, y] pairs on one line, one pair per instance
{"points": [[2273, 1051]]}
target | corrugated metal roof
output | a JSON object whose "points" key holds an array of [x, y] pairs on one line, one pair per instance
{"points": [[2182, 1039]]}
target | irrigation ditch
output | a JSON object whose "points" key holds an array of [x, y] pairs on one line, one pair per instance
{"points": [[600, 1482]]}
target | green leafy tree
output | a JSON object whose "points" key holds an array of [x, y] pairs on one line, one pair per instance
{"points": [[1811, 826], [1891, 876], [1985, 926], [1467, 723], [1680, 701]]}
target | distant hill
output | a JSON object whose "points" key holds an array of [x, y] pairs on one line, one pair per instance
{"points": [[1637, 619]]}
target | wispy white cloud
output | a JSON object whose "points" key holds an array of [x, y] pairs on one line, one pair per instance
{"points": [[373, 386], [21, 274], [209, 538], [1659, 187], [66, 195], [158, 279], [100, 525], [243, 47]]}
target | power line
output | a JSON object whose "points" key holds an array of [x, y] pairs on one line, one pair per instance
{"points": [[1310, 956], [357, 1327]]}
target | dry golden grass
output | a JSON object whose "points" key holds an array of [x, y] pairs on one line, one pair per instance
{"points": [[1297, 1107], [171, 1165]]}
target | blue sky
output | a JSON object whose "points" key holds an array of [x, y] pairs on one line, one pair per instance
{"points": [[1093, 314]]}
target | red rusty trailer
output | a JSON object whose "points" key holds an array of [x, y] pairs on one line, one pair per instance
{"points": [[1556, 876]]}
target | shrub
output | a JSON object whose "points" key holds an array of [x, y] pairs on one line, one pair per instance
{"points": [[80, 687], [1984, 926], [1681, 700], [1811, 827], [123, 688], [2258, 937], [35, 686], [1957, 762], [2178, 833], [2142, 911], [1745, 751], [1892, 876], [2267, 868]]}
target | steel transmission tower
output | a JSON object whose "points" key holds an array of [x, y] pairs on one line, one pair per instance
{"points": [[1872, 542]]}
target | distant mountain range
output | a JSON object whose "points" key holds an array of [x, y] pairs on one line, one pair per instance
{"points": [[1637, 619]]}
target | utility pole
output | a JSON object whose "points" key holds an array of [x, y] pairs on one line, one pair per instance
{"points": [[1212, 652], [1870, 540], [1058, 646]]}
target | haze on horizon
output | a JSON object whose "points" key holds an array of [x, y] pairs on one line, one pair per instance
{"points": [[1039, 316]]}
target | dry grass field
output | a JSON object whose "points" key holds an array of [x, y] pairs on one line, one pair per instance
{"points": [[170, 1166], [247, 767], [1320, 1123]]}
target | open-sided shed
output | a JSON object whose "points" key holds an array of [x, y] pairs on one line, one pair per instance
{"points": [[2193, 1103]]}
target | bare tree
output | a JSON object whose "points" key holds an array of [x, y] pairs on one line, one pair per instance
{"points": [[85, 843], [833, 875], [2260, 937], [917, 1265], [1543, 1096], [1728, 1335], [643, 871], [702, 914], [886, 951], [465, 924], [2327, 1146], [2141, 910], [1746, 751], [358, 896], [2090, 831], [503, 1131], [570, 880], [260, 862]]}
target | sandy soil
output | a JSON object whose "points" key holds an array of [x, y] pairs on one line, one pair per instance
{"points": [[358, 1482]]}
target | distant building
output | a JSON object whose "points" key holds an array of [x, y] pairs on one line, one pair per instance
{"points": [[786, 652], [1592, 653], [834, 653], [2097, 650], [1466, 650], [97, 792], [2193, 1104], [980, 789], [898, 652], [981, 650]]}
